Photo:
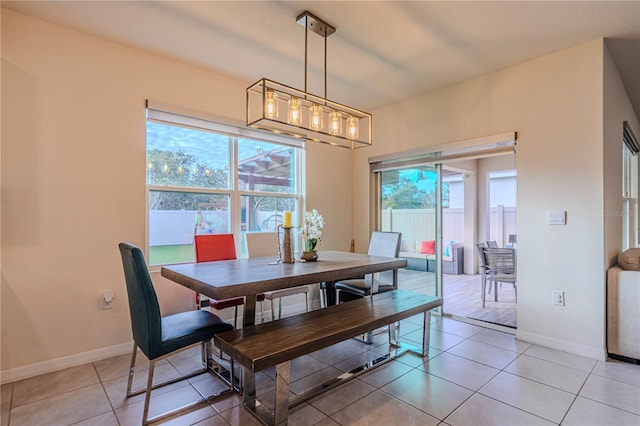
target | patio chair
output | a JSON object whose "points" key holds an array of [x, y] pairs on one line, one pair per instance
{"points": [[500, 267]]}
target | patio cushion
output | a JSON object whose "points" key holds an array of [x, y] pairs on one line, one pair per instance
{"points": [[428, 247], [630, 259]]}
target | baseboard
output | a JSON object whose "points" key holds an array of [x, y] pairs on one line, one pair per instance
{"points": [[599, 354], [32, 370], [56, 364]]}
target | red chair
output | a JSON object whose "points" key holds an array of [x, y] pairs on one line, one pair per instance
{"points": [[215, 247]]}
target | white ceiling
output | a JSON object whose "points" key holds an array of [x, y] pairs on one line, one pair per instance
{"points": [[382, 51]]}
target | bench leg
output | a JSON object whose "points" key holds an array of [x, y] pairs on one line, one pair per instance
{"points": [[281, 409], [394, 329], [281, 406], [426, 333]]}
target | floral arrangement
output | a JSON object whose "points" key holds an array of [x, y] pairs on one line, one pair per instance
{"points": [[312, 229]]}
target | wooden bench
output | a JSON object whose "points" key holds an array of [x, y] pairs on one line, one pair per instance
{"points": [[276, 343]]}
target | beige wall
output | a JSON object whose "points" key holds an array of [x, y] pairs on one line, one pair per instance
{"points": [[555, 105], [73, 185]]}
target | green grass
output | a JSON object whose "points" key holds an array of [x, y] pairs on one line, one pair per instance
{"points": [[161, 255]]}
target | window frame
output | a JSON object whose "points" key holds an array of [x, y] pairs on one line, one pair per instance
{"points": [[629, 198], [172, 116]]}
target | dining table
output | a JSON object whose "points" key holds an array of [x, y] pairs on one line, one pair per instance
{"points": [[249, 277]]}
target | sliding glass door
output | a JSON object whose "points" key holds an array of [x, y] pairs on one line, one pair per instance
{"points": [[409, 202]]}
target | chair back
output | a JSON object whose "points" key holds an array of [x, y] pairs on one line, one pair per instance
{"points": [[385, 244], [213, 247], [500, 261], [480, 247], [261, 244], [146, 320], [492, 244]]}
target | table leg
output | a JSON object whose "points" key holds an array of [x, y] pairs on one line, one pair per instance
{"points": [[249, 310], [426, 333]]}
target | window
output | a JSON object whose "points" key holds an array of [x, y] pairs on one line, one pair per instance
{"points": [[629, 198], [206, 177]]}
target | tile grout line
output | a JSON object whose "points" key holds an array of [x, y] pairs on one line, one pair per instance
{"points": [[113, 410], [507, 404]]}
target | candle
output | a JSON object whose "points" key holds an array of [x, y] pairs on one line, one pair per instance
{"points": [[286, 219]]}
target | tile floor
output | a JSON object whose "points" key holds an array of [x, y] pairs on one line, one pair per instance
{"points": [[474, 376]]}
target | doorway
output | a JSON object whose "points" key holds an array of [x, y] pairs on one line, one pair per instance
{"points": [[444, 202]]}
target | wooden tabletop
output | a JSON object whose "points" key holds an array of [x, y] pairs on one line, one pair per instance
{"points": [[245, 277]]}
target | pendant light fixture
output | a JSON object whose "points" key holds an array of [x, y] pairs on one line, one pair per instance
{"points": [[282, 109]]}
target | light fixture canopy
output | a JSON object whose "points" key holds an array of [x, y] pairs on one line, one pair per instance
{"points": [[280, 108]]}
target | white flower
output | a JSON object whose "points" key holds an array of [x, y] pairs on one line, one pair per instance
{"points": [[312, 229]]}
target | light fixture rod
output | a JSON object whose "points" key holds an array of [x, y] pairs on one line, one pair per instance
{"points": [[311, 22], [325, 66], [306, 35]]}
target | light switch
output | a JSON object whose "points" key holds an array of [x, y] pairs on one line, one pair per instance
{"points": [[557, 217]]}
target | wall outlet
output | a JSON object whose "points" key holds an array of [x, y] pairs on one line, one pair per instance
{"points": [[106, 302], [557, 297]]}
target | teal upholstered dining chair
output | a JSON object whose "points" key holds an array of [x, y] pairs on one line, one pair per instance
{"points": [[158, 336]]}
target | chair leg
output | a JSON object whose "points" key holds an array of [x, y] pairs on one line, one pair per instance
{"points": [[306, 300], [206, 354], [323, 295], [235, 317], [147, 397], [484, 288], [495, 291], [273, 311], [132, 368], [279, 307]]}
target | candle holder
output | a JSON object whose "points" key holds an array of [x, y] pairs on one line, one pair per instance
{"points": [[285, 244]]}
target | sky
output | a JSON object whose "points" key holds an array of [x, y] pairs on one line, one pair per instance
{"points": [[210, 148]]}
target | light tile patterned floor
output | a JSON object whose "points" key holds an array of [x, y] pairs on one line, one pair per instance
{"points": [[474, 376]]}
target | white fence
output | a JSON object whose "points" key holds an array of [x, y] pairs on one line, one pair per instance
{"points": [[174, 227], [502, 223], [420, 224]]}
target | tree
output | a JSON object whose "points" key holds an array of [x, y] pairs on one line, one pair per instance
{"points": [[405, 194], [176, 168], [402, 195]]}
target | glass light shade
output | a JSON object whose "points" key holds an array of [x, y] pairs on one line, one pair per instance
{"points": [[295, 111], [335, 123], [315, 117], [271, 105], [353, 128]]}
